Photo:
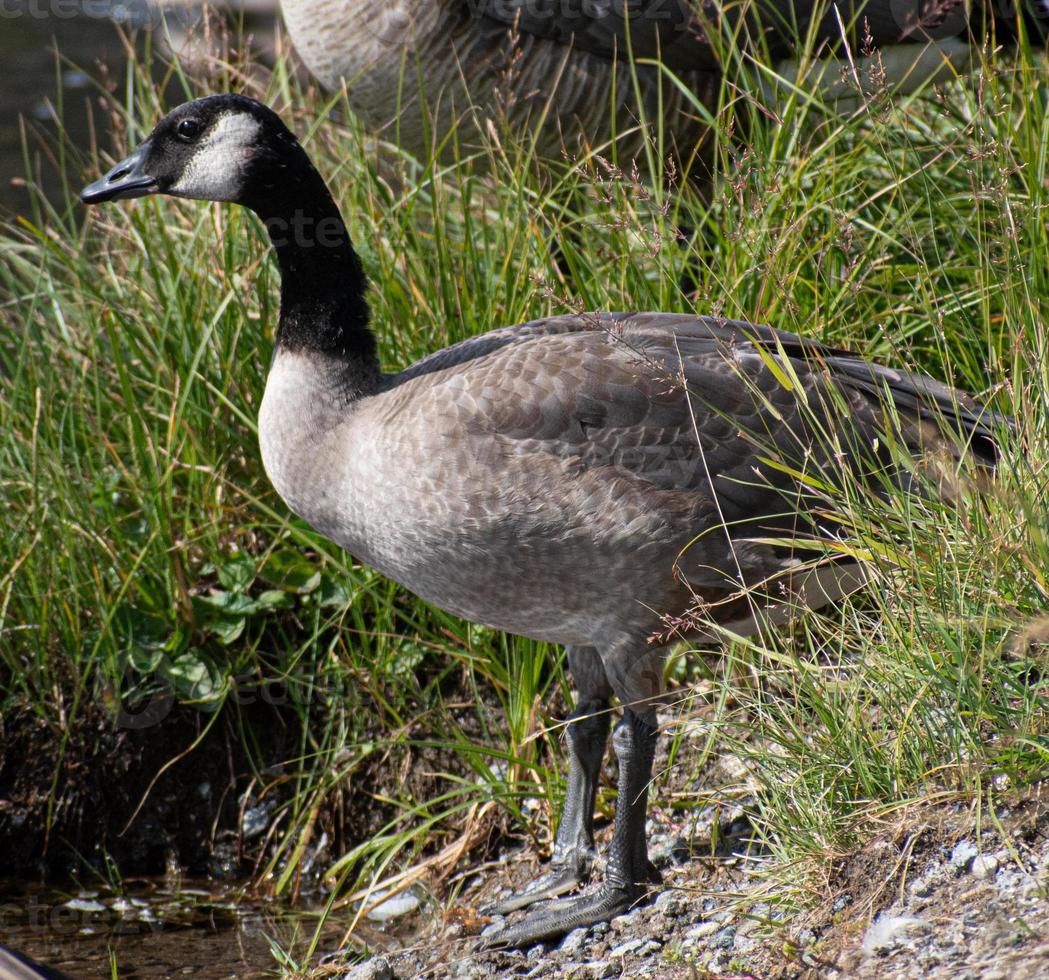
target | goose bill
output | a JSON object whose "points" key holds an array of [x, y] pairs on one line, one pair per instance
{"points": [[127, 179]]}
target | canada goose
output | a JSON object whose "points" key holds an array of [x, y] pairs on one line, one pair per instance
{"points": [[568, 479], [554, 62]]}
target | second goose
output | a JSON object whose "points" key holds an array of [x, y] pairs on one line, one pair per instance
{"points": [[560, 68]]}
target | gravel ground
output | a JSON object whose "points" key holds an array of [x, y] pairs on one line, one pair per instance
{"points": [[933, 896]]}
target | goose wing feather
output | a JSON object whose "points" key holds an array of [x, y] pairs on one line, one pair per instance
{"points": [[659, 426], [564, 444]]}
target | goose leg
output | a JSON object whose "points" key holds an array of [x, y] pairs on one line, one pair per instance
{"points": [[587, 735], [628, 868]]}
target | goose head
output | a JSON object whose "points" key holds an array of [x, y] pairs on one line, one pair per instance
{"points": [[218, 148], [232, 148]]}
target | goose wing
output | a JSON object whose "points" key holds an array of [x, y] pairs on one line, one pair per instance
{"points": [[872, 393], [669, 29], [678, 399], [654, 434]]}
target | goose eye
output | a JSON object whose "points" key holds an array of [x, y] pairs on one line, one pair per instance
{"points": [[188, 129]]}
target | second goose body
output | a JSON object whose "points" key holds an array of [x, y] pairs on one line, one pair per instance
{"points": [[571, 479], [559, 69]]}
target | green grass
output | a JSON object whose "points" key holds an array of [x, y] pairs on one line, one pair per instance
{"points": [[144, 544]]}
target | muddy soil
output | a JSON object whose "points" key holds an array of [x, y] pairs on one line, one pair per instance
{"points": [[158, 789]]}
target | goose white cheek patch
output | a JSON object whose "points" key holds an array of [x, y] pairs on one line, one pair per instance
{"points": [[215, 170]]}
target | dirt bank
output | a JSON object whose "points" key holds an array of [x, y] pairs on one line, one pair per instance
{"points": [[143, 792]]}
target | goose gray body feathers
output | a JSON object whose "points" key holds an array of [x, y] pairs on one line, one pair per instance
{"points": [[598, 450]]}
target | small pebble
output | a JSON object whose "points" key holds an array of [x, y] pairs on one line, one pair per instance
{"points": [[465, 970], [670, 850], [888, 931], [724, 939], [718, 963], [1031, 886], [573, 942], [703, 930], [255, 820], [85, 905], [373, 969], [628, 919], [599, 969], [670, 903], [924, 886], [624, 949], [744, 944], [394, 908], [984, 865]]}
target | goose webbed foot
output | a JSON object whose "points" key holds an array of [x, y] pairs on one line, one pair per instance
{"points": [[554, 919], [570, 873]]}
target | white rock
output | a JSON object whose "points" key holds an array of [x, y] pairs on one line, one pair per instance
{"points": [[392, 908], [599, 969], [374, 969], [984, 865], [924, 886], [703, 930], [888, 930], [623, 949], [85, 905], [574, 941], [670, 902], [1030, 886], [962, 853]]}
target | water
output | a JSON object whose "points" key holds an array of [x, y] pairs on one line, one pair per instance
{"points": [[32, 82], [153, 928]]}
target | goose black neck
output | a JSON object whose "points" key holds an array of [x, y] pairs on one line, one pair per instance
{"points": [[322, 298]]}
